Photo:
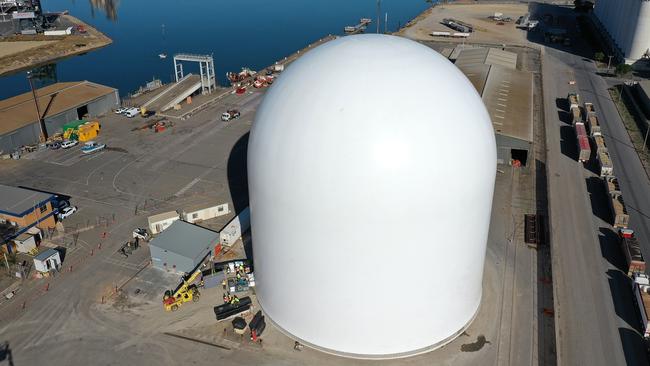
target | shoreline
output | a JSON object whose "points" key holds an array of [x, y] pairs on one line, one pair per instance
{"points": [[56, 48]]}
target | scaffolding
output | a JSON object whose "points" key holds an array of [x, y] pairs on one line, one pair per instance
{"points": [[206, 68]]}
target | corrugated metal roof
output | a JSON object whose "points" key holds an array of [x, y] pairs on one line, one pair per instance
{"points": [[17, 201], [477, 75], [488, 56], [508, 97], [45, 255], [185, 239], [20, 111]]}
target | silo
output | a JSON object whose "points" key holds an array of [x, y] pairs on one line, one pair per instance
{"points": [[371, 165]]}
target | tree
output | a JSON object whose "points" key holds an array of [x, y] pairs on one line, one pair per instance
{"points": [[623, 69], [599, 56]]}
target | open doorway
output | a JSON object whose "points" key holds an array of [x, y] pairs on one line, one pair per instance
{"points": [[82, 111], [520, 155]]}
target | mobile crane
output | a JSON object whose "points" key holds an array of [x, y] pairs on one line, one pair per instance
{"points": [[185, 292]]}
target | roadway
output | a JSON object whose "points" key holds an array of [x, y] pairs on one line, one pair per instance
{"points": [[596, 322]]}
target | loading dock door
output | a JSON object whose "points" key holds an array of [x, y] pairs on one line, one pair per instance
{"points": [[521, 155], [82, 111]]}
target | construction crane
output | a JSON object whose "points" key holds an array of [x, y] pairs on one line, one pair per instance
{"points": [[185, 292]]}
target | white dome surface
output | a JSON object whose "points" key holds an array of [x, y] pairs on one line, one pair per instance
{"points": [[371, 165]]}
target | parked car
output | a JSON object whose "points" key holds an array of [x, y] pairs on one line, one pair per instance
{"points": [[69, 143], [54, 145], [141, 234], [148, 114], [132, 112], [120, 110], [67, 212]]}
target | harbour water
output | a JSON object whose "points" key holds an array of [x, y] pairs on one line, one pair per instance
{"points": [[252, 33]]}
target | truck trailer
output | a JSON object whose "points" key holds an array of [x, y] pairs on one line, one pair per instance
{"points": [[574, 101], [584, 150], [600, 144], [642, 299], [576, 117], [634, 260], [594, 125], [621, 217], [604, 164]]}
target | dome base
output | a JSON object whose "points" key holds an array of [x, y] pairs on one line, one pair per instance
{"points": [[360, 356]]}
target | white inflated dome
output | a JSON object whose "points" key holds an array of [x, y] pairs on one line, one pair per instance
{"points": [[371, 167]]}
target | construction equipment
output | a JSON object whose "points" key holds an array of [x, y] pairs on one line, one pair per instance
{"points": [[185, 292], [230, 114]]}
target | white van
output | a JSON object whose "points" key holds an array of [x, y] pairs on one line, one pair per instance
{"points": [[132, 112]]}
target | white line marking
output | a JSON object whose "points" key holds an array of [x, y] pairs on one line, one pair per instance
{"points": [[188, 186]]}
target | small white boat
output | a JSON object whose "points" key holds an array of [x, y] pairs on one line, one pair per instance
{"points": [[162, 55], [91, 147]]}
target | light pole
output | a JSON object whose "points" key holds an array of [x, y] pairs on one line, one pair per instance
{"points": [[609, 62], [41, 121]]}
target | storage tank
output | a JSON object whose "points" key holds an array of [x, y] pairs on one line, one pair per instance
{"points": [[371, 166]]}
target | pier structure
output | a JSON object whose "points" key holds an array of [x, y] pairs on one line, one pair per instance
{"points": [[206, 70]]}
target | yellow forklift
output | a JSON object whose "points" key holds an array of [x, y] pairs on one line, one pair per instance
{"points": [[185, 292]]}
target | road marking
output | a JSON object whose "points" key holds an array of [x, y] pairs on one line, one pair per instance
{"points": [[188, 186], [502, 105]]}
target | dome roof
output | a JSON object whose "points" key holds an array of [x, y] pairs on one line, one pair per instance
{"points": [[371, 165]]}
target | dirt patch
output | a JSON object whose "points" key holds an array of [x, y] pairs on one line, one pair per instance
{"points": [[19, 52], [485, 29], [475, 346], [10, 48]]}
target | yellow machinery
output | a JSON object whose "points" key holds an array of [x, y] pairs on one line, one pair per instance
{"points": [[185, 292], [88, 131]]}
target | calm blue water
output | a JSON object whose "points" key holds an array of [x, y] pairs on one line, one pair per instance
{"points": [[253, 33]]}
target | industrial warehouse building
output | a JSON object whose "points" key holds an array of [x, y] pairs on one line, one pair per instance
{"points": [[59, 103], [508, 96], [182, 246], [626, 25]]}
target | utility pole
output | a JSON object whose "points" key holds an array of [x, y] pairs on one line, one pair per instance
{"points": [[647, 129], [41, 121], [378, 14], [386, 24], [609, 63]]}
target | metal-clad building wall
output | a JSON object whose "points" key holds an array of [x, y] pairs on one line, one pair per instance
{"points": [[30, 134], [505, 145], [23, 136], [103, 104], [54, 123], [160, 257], [627, 23]]}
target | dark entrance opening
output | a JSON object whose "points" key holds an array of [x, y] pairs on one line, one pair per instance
{"points": [[521, 155], [82, 111]]}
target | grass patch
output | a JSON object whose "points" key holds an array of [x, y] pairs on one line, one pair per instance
{"points": [[632, 126]]}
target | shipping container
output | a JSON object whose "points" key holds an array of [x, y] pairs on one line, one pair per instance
{"points": [[235, 228], [584, 150], [589, 109], [576, 117]]}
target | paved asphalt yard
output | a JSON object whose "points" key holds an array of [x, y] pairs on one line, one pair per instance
{"points": [[72, 319], [596, 319]]}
